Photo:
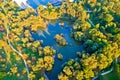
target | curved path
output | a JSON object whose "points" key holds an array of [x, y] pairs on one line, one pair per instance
{"points": [[104, 73], [107, 72], [17, 52]]}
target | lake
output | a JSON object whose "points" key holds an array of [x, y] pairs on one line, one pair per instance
{"points": [[68, 52]]}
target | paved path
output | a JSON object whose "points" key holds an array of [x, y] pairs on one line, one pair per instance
{"points": [[17, 52]]}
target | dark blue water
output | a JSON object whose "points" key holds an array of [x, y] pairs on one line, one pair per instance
{"points": [[68, 52]]}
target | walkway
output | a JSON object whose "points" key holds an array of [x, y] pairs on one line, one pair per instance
{"points": [[17, 52]]}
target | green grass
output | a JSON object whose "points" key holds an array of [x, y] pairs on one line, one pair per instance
{"points": [[114, 75], [110, 76]]}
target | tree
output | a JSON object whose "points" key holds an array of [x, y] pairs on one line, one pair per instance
{"points": [[79, 75]]}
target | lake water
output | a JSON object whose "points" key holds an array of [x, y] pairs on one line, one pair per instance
{"points": [[68, 52]]}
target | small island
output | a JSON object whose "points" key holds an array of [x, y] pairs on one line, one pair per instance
{"points": [[60, 56], [60, 39]]}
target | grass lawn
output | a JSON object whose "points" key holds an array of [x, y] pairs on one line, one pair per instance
{"points": [[110, 76], [114, 75]]}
